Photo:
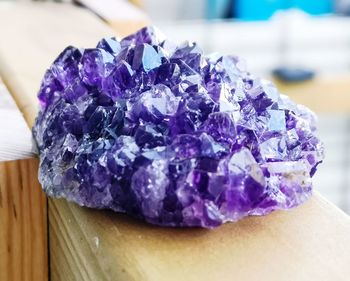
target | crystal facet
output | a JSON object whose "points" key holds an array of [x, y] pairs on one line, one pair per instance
{"points": [[169, 135]]}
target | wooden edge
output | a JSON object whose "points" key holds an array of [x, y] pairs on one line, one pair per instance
{"points": [[292, 243], [23, 223], [23, 205]]}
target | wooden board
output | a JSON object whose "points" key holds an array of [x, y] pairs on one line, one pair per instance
{"points": [[23, 223], [121, 15], [311, 242], [324, 94], [23, 215], [307, 243]]}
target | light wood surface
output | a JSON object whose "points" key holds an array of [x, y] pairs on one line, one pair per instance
{"points": [[323, 94], [307, 243], [121, 15], [311, 242], [23, 223]]}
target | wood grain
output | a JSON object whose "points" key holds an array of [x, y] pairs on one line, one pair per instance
{"points": [[23, 215], [311, 242], [23, 221]]}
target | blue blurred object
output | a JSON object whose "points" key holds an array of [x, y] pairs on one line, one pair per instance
{"points": [[256, 9], [315, 7], [342, 7], [217, 9], [290, 75], [264, 9]]}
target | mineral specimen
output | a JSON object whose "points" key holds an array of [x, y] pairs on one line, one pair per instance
{"points": [[169, 135]]}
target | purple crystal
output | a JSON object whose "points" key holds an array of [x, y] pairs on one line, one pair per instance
{"points": [[146, 57], [171, 136]]}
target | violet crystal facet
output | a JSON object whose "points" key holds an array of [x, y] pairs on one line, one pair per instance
{"points": [[169, 135]]}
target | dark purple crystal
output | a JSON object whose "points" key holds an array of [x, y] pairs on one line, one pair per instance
{"points": [[169, 135]]}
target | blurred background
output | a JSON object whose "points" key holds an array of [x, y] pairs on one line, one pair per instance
{"points": [[303, 46]]}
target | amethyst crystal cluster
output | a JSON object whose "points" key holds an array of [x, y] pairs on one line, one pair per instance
{"points": [[167, 134]]}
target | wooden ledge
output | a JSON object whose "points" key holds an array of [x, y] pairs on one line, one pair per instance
{"points": [[23, 212], [23, 223], [310, 242]]}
